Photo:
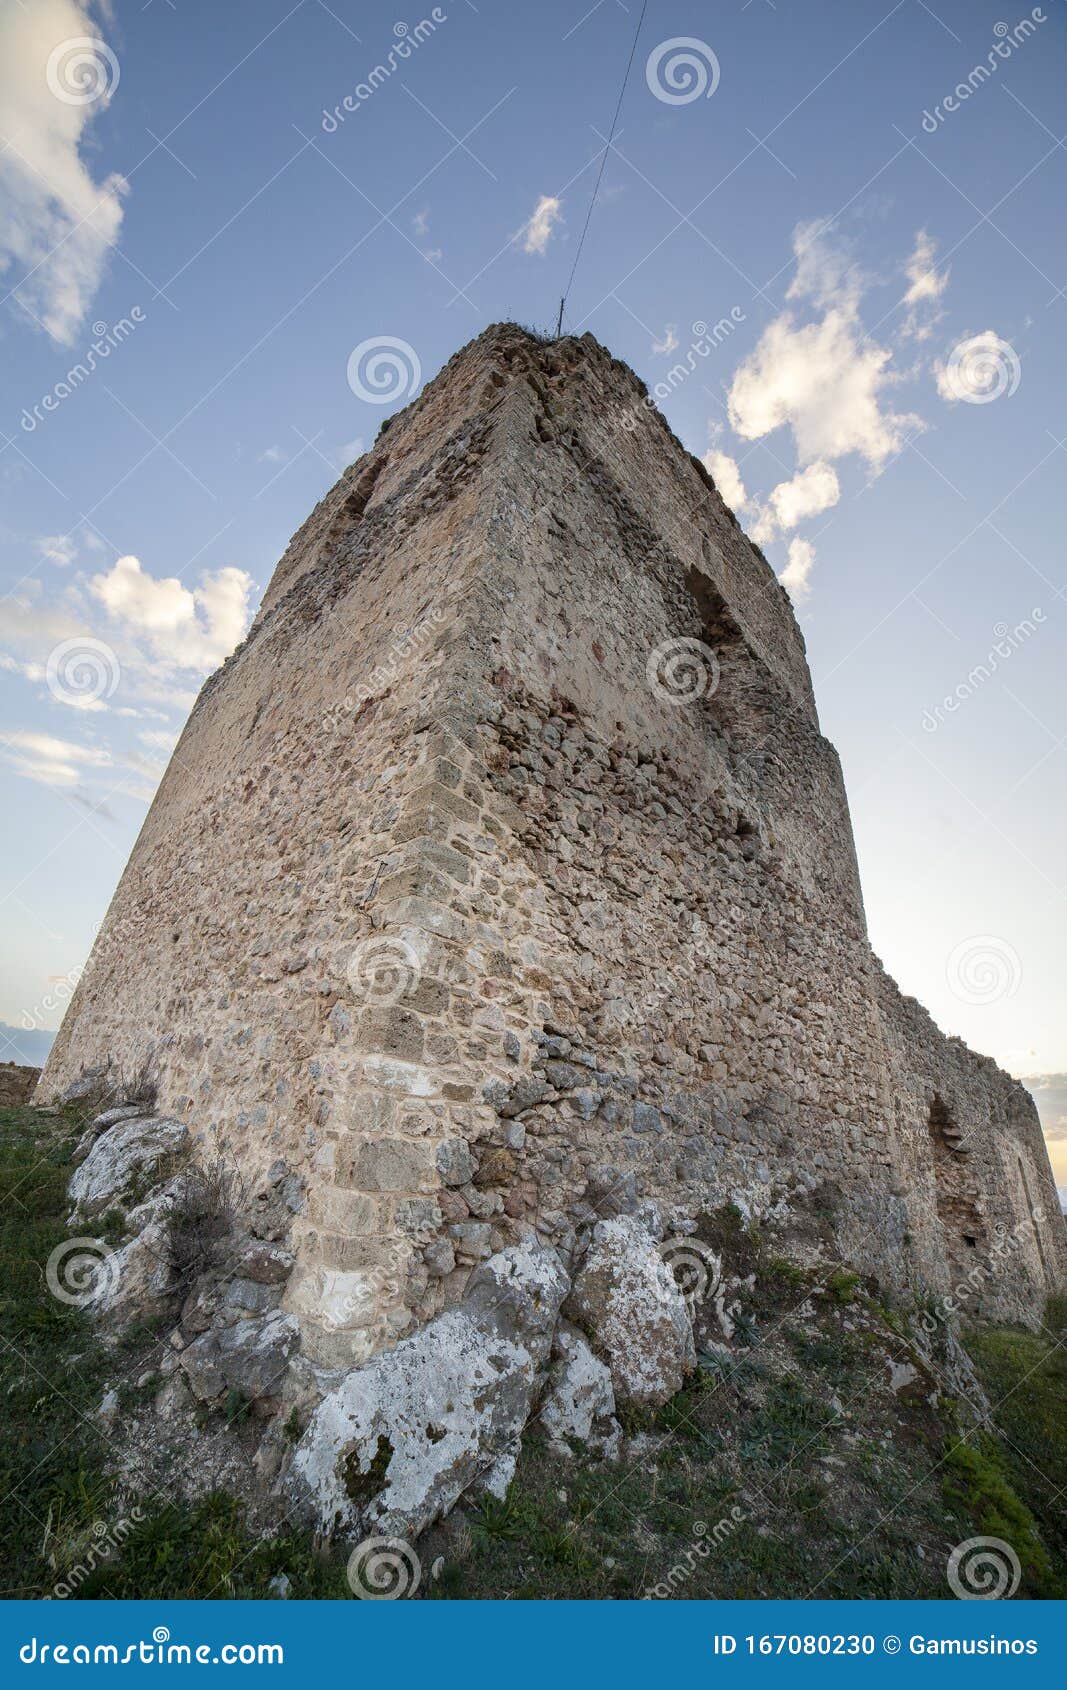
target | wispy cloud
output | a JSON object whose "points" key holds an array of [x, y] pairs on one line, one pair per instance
{"points": [[926, 284], [536, 233], [56, 75], [348, 453], [50, 761], [60, 549]]}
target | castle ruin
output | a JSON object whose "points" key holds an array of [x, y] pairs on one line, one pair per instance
{"points": [[502, 881]]}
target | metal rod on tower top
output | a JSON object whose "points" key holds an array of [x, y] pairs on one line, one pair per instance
{"points": [[603, 162]]}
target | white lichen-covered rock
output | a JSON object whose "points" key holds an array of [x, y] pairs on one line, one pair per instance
{"points": [[626, 1301], [100, 1124], [123, 1162], [136, 1282], [406, 1433], [251, 1357], [579, 1405]]}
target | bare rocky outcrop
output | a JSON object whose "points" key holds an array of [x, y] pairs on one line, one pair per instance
{"points": [[406, 1434], [579, 1404], [626, 1300], [127, 1157]]}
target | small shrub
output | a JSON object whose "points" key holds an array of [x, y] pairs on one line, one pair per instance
{"points": [[745, 1329], [236, 1407], [841, 1286], [136, 1085], [112, 1087], [202, 1221]]}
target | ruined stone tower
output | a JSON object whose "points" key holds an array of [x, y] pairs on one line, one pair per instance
{"points": [[502, 879]]}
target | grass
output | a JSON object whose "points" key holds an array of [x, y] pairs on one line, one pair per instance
{"points": [[1025, 1378], [788, 1436]]}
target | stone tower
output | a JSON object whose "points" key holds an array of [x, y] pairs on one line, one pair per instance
{"points": [[502, 879]]}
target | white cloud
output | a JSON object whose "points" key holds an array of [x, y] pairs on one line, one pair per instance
{"points": [[537, 232], [825, 272], [669, 343], [824, 380], [272, 455], [59, 223], [821, 382], [34, 626], [51, 761], [727, 478], [811, 491], [926, 284], [184, 629], [158, 638], [795, 575], [421, 225], [59, 549], [763, 527]]}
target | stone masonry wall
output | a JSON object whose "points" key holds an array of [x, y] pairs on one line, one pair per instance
{"points": [[464, 900]]}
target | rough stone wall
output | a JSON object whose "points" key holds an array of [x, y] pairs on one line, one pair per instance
{"points": [[449, 906]]}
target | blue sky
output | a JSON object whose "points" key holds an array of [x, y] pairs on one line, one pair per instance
{"points": [[883, 405]]}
